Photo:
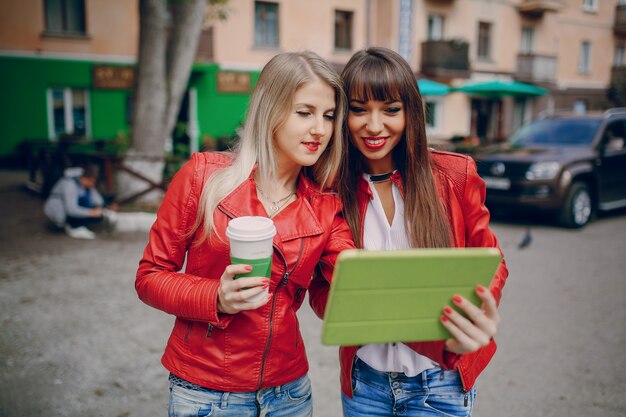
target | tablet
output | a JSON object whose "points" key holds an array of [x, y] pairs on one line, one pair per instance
{"points": [[399, 296]]}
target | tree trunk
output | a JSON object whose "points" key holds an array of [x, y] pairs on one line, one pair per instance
{"points": [[163, 71]]}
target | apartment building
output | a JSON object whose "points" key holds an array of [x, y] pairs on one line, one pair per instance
{"points": [[573, 49], [67, 65]]}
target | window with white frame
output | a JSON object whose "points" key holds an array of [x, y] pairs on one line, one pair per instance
{"points": [[343, 29], [266, 24], [584, 62], [68, 112], [618, 56], [590, 5], [65, 17], [484, 40], [435, 27], [528, 34]]}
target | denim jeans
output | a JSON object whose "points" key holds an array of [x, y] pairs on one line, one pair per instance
{"points": [[289, 400], [434, 392]]}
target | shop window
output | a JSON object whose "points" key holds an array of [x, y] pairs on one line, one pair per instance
{"points": [[65, 17], [484, 40], [433, 110], [68, 112], [343, 29], [265, 24], [580, 106]]}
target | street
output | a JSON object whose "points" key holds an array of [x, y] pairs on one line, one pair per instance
{"points": [[75, 339]]}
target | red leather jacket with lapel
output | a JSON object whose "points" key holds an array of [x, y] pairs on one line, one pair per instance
{"points": [[252, 349], [463, 194]]}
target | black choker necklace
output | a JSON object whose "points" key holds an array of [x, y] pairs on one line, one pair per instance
{"points": [[381, 177]]}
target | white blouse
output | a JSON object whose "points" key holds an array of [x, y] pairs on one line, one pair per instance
{"points": [[379, 235]]}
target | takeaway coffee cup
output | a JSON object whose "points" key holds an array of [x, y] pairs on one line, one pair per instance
{"points": [[251, 244]]}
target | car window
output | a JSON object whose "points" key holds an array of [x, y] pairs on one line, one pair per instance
{"points": [[556, 132]]}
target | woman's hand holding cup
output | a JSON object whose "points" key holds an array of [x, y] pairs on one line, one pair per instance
{"points": [[234, 295]]}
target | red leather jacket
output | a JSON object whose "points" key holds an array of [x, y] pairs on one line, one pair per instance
{"points": [[253, 349], [463, 193]]}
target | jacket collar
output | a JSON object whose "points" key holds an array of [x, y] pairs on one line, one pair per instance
{"points": [[364, 188], [296, 220]]}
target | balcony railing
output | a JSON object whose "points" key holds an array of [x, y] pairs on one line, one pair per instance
{"points": [[445, 59], [536, 68], [538, 7], [620, 19]]}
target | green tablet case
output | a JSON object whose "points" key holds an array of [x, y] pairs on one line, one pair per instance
{"points": [[398, 296]]}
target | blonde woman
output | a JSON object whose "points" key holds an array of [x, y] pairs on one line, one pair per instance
{"points": [[228, 356]]}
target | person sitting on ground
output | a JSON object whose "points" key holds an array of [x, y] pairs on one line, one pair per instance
{"points": [[75, 203]]}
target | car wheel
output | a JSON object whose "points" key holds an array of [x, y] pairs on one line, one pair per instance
{"points": [[578, 207]]}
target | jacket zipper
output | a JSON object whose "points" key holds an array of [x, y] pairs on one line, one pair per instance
{"points": [[282, 283]]}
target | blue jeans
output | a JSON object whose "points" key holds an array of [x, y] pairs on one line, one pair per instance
{"points": [[289, 400], [434, 392]]}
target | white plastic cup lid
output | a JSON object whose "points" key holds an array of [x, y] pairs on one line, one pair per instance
{"points": [[250, 228]]}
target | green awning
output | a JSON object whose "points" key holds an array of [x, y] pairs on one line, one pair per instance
{"points": [[502, 89], [431, 88]]}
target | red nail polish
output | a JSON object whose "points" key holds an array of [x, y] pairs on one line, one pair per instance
{"points": [[266, 286], [444, 318], [448, 310], [457, 299], [266, 281], [480, 289], [248, 268]]}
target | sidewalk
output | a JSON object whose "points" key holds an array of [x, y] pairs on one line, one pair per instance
{"points": [[75, 339]]}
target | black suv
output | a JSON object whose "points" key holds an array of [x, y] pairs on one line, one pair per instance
{"points": [[568, 165]]}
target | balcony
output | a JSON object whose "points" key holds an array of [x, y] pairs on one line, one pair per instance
{"points": [[536, 8], [617, 89], [533, 68], [620, 19], [445, 59]]}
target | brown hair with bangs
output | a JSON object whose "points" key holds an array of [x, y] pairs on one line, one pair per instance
{"points": [[381, 74]]}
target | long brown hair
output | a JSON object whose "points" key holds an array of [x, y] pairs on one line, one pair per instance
{"points": [[381, 74]]}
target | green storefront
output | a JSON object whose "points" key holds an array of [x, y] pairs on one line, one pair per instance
{"points": [[45, 98]]}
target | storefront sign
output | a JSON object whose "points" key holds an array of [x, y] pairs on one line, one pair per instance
{"points": [[112, 77], [233, 82]]}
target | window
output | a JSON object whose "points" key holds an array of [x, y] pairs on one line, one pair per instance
{"points": [[435, 27], [343, 29], [484, 40], [265, 24], [67, 112], [590, 5], [618, 56], [584, 63], [65, 16], [580, 106], [433, 108], [527, 40]]}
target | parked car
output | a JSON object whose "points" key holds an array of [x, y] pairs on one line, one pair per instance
{"points": [[570, 166]]}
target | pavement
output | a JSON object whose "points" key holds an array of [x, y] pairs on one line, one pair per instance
{"points": [[75, 340]]}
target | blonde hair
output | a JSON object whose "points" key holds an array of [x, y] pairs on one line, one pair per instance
{"points": [[270, 104]]}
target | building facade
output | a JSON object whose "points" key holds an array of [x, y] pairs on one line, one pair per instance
{"points": [[65, 63]]}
